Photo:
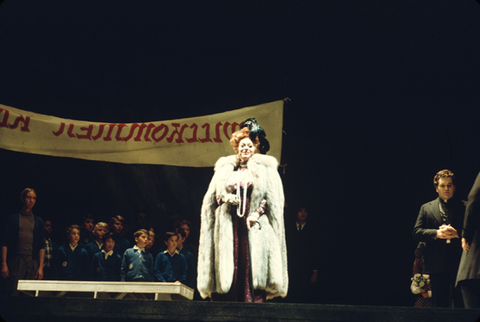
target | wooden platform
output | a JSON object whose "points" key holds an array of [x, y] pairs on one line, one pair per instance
{"points": [[117, 290], [64, 309]]}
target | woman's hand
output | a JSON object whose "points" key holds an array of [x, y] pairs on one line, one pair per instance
{"points": [[252, 219], [231, 199]]}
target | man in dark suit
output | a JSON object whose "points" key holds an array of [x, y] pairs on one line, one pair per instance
{"points": [[468, 277], [302, 250], [436, 225]]}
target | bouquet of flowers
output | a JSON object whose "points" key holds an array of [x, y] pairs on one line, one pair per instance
{"points": [[421, 282]]}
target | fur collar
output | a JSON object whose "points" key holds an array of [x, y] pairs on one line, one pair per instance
{"points": [[257, 158]]}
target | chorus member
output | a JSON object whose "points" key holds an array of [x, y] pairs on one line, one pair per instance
{"points": [[436, 225], [137, 264], [96, 245], [241, 223], [87, 223], [51, 248], [71, 259], [117, 226], [23, 244], [105, 265], [170, 265]]}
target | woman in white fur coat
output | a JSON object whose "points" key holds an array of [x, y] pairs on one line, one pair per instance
{"points": [[243, 227]]}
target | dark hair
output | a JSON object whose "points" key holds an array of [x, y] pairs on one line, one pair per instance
{"points": [[181, 232], [443, 174], [114, 218], [168, 235], [257, 133], [108, 235]]}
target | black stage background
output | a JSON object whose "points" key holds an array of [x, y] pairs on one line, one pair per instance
{"points": [[384, 94]]}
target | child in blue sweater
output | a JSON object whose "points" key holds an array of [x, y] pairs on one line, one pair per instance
{"points": [[71, 260], [105, 265], [95, 246], [170, 265], [137, 265]]}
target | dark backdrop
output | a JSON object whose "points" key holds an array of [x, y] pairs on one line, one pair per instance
{"points": [[383, 95]]}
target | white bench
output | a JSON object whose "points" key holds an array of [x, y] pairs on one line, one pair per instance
{"points": [[159, 291]]}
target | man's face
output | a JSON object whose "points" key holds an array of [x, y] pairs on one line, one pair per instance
{"points": [[445, 188], [302, 214]]}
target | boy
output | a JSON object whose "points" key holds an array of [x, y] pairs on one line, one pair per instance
{"points": [[117, 224], [106, 264], [191, 269], [170, 265], [137, 265], [95, 246], [71, 260]]}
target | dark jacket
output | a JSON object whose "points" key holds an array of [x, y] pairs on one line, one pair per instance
{"points": [[10, 236]]}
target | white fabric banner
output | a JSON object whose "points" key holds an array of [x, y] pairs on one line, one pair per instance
{"points": [[192, 142]]}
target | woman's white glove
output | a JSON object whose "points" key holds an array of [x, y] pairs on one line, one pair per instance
{"points": [[231, 199], [252, 219]]}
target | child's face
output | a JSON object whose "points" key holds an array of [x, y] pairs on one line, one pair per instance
{"points": [[172, 243], [186, 229], [109, 244], [100, 232], [150, 241], [117, 226], [29, 201], [47, 226], [141, 240], [180, 241], [74, 237], [88, 224]]}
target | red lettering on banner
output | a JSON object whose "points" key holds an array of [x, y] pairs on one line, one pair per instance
{"points": [[138, 131], [194, 138], [109, 133], [70, 130], [60, 130], [132, 130], [25, 121], [225, 128], [217, 133], [179, 139], [206, 126], [119, 131], [149, 129], [158, 129], [88, 135], [5, 118], [100, 132]]}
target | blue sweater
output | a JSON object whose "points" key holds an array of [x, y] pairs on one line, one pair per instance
{"points": [[170, 268], [72, 266], [105, 270], [136, 265]]}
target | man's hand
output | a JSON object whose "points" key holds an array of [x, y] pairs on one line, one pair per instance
{"points": [[446, 232], [5, 270], [39, 274], [465, 245]]}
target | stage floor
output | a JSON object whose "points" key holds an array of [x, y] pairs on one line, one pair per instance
{"points": [[50, 309]]}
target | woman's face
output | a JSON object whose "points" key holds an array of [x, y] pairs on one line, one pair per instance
{"points": [[245, 149]]}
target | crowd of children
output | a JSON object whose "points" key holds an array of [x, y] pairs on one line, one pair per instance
{"points": [[99, 252]]}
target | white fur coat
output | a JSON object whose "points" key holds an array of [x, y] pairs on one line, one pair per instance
{"points": [[267, 245]]}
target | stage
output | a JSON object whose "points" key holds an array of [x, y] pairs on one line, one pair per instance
{"points": [[64, 309]]}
